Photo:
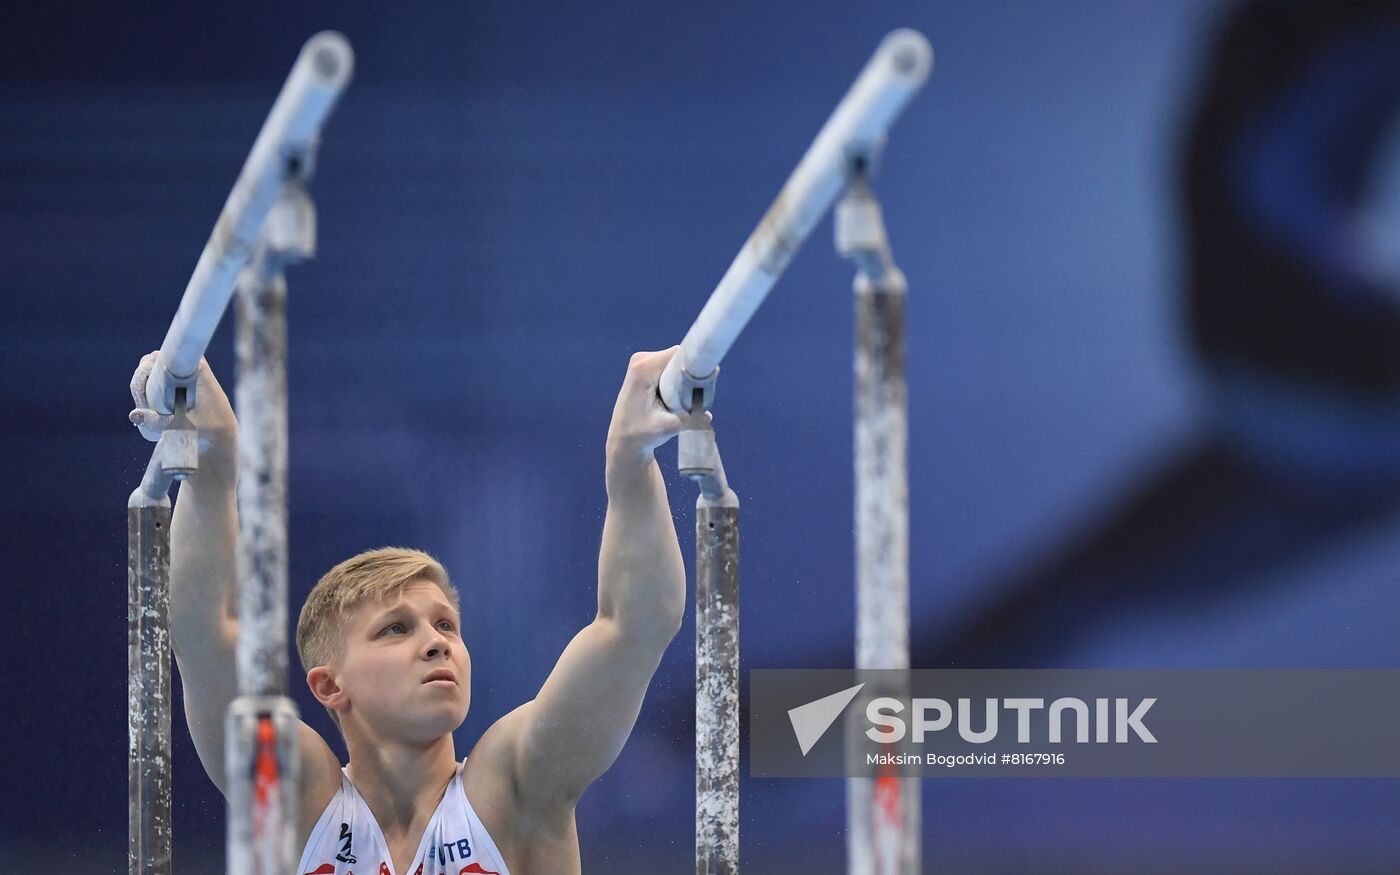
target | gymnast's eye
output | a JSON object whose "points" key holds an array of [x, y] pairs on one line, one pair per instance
{"points": [[390, 628], [446, 626]]}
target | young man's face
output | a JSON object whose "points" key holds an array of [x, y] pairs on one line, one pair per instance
{"points": [[405, 669]]}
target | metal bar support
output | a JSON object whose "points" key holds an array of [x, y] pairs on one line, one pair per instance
{"points": [[149, 771], [148, 688], [716, 652], [261, 744], [267, 221], [839, 154], [882, 813]]}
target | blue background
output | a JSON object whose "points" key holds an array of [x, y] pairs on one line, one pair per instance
{"points": [[514, 197]]}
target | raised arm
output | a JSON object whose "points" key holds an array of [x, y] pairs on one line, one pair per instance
{"points": [[203, 544], [576, 727], [203, 578]]}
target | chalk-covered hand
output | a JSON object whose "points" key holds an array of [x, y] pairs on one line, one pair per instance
{"points": [[640, 422], [212, 416]]}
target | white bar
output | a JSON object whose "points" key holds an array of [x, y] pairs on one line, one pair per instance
{"points": [[895, 72], [317, 79]]}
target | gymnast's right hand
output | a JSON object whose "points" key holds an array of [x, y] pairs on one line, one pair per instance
{"points": [[212, 414]]}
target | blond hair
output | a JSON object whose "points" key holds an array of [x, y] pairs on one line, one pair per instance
{"points": [[366, 577]]}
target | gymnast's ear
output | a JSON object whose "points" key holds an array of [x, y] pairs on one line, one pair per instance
{"points": [[325, 688]]}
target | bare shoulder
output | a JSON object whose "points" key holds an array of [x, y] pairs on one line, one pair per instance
{"points": [[320, 779], [520, 824]]}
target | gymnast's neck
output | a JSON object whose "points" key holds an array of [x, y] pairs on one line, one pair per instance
{"points": [[402, 783]]}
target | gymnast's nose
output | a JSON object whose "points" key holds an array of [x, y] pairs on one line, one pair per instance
{"points": [[436, 646]]}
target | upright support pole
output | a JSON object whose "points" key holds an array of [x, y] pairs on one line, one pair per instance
{"points": [[716, 652], [261, 398], [148, 688], [882, 813], [261, 752], [148, 647], [858, 126]]}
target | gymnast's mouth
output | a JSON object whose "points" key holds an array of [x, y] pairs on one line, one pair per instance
{"points": [[440, 674]]}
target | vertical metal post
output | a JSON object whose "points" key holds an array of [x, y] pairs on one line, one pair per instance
{"points": [[883, 818], [261, 398], [260, 750], [716, 652], [716, 687], [148, 688], [148, 645]]}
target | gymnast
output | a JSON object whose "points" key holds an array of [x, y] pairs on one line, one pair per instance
{"points": [[380, 640]]}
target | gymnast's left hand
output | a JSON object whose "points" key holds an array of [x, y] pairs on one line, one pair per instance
{"points": [[640, 422]]}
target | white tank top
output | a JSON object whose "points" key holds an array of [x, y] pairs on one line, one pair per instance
{"points": [[347, 840]]}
